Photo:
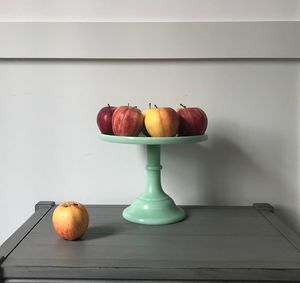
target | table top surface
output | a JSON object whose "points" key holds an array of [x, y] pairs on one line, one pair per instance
{"points": [[211, 243]]}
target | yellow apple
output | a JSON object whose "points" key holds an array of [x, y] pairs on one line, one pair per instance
{"points": [[161, 122], [144, 112], [70, 220]]}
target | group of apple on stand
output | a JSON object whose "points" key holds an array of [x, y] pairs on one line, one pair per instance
{"points": [[152, 122]]}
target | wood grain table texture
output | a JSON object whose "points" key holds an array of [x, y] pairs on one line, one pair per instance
{"points": [[213, 244]]}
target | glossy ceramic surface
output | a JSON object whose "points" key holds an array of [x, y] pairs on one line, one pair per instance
{"points": [[154, 206]]}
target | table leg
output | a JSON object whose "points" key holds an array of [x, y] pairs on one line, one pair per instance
{"points": [[154, 206]]}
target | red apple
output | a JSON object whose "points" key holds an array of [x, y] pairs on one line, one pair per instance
{"points": [[161, 122], [70, 220], [104, 119], [127, 121], [192, 121]]}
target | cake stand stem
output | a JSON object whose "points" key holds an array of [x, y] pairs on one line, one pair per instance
{"points": [[153, 206], [153, 190]]}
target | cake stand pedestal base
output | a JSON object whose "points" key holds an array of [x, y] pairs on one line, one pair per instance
{"points": [[154, 206], [154, 212]]}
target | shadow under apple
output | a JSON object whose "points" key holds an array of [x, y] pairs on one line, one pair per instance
{"points": [[101, 231]]}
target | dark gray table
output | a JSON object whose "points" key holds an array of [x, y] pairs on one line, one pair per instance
{"points": [[247, 243]]}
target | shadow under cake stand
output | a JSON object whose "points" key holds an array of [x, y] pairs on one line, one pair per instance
{"points": [[154, 206]]}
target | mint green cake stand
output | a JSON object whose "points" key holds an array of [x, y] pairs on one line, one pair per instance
{"points": [[154, 206]]}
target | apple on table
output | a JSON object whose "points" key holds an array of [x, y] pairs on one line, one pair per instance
{"points": [[70, 220]]}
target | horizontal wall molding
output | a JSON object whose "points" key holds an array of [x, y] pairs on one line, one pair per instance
{"points": [[149, 40]]}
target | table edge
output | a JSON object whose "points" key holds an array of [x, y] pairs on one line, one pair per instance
{"points": [[41, 209]]}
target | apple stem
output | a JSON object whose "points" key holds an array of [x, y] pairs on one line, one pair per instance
{"points": [[182, 105], [108, 106], [155, 106], [149, 105]]}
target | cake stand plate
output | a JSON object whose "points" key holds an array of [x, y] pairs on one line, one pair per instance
{"points": [[154, 206]]}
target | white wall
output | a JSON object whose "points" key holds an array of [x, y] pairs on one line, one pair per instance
{"points": [[49, 148]]}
